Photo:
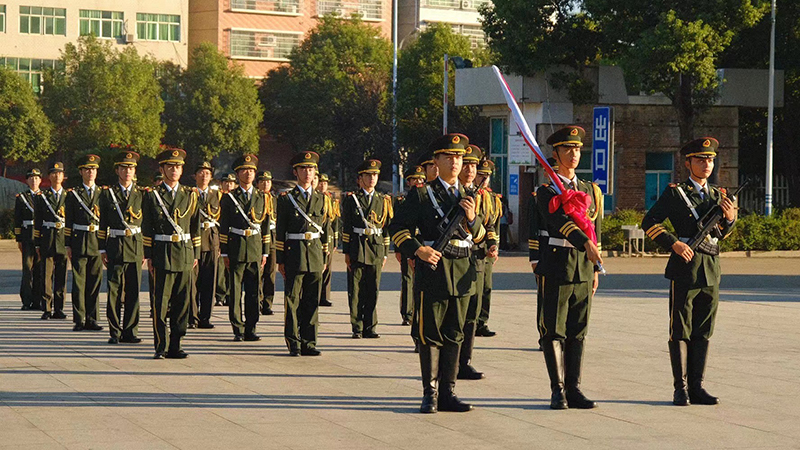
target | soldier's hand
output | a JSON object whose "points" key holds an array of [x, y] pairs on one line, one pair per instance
{"points": [[195, 264], [493, 253], [104, 257], [468, 203], [533, 266], [683, 250], [227, 262], [728, 209], [384, 262], [69, 252], [38, 253], [399, 257], [144, 263], [282, 270], [593, 253], [412, 263], [428, 254], [347, 260], [596, 282], [263, 261], [19, 246], [150, 266]]}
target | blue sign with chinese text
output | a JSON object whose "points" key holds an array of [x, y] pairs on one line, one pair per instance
{"points": [[602, 148], [513, 184]]}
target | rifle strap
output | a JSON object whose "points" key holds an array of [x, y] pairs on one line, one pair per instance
{"points": [[688, 203], [116, 206], [367, 224], [174, 225], [434, 202], [303, 213], [25, 201], [85, 208]]}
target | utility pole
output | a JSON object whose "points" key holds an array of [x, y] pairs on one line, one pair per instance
{"points": [[444, 104], [770, 116], [396, 175]]}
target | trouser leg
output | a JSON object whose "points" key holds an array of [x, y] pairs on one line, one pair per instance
{"points": [[59, 282], [116, 284], [163, 286], [236, 271], [26, 288], [308, 309], [93, 280], [268, 282], [406, 290], [133, 281], [207, 284], [356, 306], [251, 279], [79, 290], [327, 274], [486, 294], [49, 266], [179, 309], [291, 329], [371, 283]]}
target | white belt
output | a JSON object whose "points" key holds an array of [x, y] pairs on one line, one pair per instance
{"points": [[126, 232], [463, 243], [368, 231], [173, 237], [247, 232], [544, 233], [307, 236], [272, 226], [558, 242], [208, 225], [27, 223], [90, 228], [56, 225], [710, 239]]}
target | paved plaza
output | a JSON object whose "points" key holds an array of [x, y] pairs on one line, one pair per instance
{"points": [[61, 389]]}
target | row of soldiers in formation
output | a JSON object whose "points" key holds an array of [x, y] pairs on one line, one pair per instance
{"points": [[445, 290]]}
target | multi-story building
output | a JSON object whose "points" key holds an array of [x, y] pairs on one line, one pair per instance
{"points": [[260, 34], [33, 32], [462, 15]]}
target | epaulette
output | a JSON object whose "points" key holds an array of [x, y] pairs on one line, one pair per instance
{"points": [[69, 190], [673, 185], [18, 194], [533, 194], [723, 191], [283, 194], [500, 195], [349, 194]]}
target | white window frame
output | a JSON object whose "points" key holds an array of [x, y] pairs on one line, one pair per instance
{"points": [[299, 34]]}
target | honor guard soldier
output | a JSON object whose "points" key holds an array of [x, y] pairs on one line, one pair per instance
{"points": [[82, 208], [492, 211], [537, 241], [302, 249], [158, 179], [49, 238], [426, 162], [171, 232], [445, 280], [332, 207], [208, 207], [244, 244], [568, 276], [264, 180], [365, 244], [415, 177], [121, 248], [24, 215], [694, 275], [227, 184]]}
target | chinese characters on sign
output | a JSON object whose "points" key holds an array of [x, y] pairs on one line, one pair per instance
{"points": [[602, 148]]}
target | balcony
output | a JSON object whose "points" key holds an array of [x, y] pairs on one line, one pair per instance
{"points": [[469, 5], [369, 10], [288, 7]]}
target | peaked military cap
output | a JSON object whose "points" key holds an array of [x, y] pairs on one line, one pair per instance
{"points": [[172, 156], [426, 158], [486, 167], [553, 163], [34, 173], [305, 159], [705, 147], [89, 162], [126, 158], [473, 154], [205, 165], [245, 162], [324, 177], [415, 172], [263, 176], [229, 177], [449, 144], [369, 166], [571, 136], [267, 175], [57, 166]]}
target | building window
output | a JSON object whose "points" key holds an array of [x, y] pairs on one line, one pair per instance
{"points": [[475, 34], [2, 18], [103, 24], [367, 9], [268, 45], [39, 20], [498, 149], [267, 6], [471, 5], [657, 175], [158, 27], [31, 69]]}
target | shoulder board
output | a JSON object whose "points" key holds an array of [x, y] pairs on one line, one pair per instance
{"points": [[722, 191], [105, 188], [69, 190], [18, 194], [349, 194], [673, 185], [533, 194], [283, 194], [499, 195]]}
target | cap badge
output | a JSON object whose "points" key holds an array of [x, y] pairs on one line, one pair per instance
{"points": [[129, 156], [456, 139], [707, 143], [574, 132], [175, 153], [372, 163], [247, 158], [308, 156], [91, 157]]}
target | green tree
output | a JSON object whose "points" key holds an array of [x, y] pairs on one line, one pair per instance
{"points": [[419, 90], [333, 98], [102, 96], [213, 107], [24, 128]]}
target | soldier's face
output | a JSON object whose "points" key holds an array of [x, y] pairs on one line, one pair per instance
{"points": [[700, 167], [449, 165], [431, 171], [261, 185], [227, 186], [369, 180], [126, 174], [305, 174], [246, 176], [34, 182], [468, 173], [172, 172], [56, 178], [481, 180], [89, 175], [323, 186], [267, 185], [568, 157], [202, 177]]}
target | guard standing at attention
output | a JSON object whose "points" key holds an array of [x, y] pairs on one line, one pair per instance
{"points": [[694, 275], [264, 180], [49, 237], [445, 280], [24, 213], [122, 248], [492, 211], [332, 206], [301, 238], [227, 184], [415, 177], [82, 209], [206, 271], [171, 232], [568, 275], [365, 243]]}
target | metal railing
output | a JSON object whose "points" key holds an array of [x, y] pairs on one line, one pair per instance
{"points": [[268, 6], [751, 199], [367, 9], [471, 5]]}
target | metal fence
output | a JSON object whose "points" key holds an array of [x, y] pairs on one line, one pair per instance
{"points": [[751, 198]]}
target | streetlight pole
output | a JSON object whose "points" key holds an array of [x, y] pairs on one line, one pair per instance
{"points": [[396, 177], [770, 115], [444, 103]]}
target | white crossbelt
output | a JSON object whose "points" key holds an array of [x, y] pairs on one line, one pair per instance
{"points": [[209, 224], [56, 225], [90, 228], [27, 223], [126, 232], [272, 225], [558, 242], [463, 243], [247, 232], [173, 237], [307, 236], [368, 231]]}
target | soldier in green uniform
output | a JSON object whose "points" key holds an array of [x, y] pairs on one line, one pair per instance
{"points": [[365, 243], [264, 180], [227, 184], [206, 270], [444, 291], [333, 213], [82, 208], [694, 275], [158, 179], [244, 243], [24, 215], [537, 241], [49, 239], [171, 230], [492, 210], [567, 276], [121, 248], [301, 238], [415, 177]]}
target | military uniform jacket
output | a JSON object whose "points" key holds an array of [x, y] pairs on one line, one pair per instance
{"points": [[50, 239], [272, 199], [82, 243], [537, 241], [121, 249], [244, 248], [301, 255], [173, 256], [454, 277], [490, 208], [564, 263], [23, 216], [209, 211], [703, 270], [360, 242]]}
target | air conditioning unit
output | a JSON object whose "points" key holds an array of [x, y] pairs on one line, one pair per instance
{"points": [[339, 12], [268, 41], [363, 13], [292, 9], [130, 38], [466, 4]]}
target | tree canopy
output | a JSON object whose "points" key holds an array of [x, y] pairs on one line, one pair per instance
{"points": [[24, 128]]}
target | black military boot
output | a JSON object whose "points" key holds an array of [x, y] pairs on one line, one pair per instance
{"points": [[465, 369], [448, 370], [698, 352], [429, 365], [573, 359], [678, 355], [554, 360]]}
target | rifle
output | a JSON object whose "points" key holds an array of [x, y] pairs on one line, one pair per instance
{"points": [[449, 225], [709, 221]]}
